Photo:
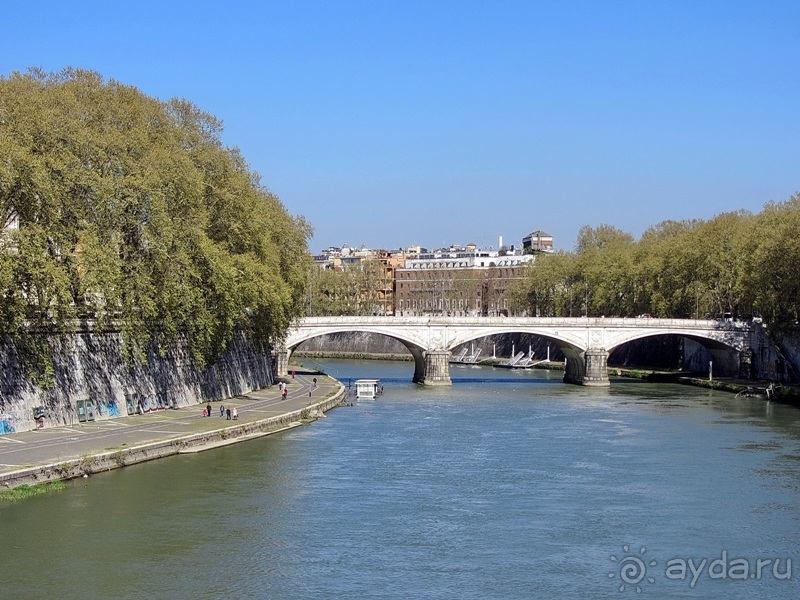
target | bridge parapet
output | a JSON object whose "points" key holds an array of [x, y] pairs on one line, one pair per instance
{"points": [[635, 322]]}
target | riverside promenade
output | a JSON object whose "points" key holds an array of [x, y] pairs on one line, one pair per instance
{"points": [[66, 452]]}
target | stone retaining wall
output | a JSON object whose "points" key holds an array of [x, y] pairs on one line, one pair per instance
{"points": [[92, 375]]}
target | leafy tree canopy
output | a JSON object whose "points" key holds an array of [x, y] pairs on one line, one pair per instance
{"points": [[127, 210], [736, 263]]}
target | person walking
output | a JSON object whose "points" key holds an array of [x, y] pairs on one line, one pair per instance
{"points": [[208, 410], [235, 414], [228, 414], [221, 410]]}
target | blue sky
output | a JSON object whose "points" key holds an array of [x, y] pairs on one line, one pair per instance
{"points": [[438, 122]]}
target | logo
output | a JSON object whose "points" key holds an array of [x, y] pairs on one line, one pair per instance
{"points": [[632, 569]]}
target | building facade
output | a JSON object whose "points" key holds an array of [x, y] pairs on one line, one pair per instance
{"points": [[537, 241], [454, 281], [458, 282]]}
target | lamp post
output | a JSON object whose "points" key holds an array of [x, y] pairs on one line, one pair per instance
{"points": [[570, 300], [586, 282], [697, 301]]}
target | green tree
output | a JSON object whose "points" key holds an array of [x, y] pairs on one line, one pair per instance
{"points": [[604, 258], [131, 211], [723, 245], [775, 280], [669, 266]]}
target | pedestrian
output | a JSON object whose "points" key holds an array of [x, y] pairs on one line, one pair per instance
{"points": [[235, 414], [228, 414], [283, 393], [221, 410], [293, 372], [315, 382], [208, 410]]}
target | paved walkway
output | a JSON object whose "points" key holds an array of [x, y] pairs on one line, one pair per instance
{"points": [[61, 444]]}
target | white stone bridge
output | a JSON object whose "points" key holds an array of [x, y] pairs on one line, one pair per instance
{"points": [[586, 342]]}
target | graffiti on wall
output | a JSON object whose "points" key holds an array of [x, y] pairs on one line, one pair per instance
{"points": [[5, 425], [110, 408]]}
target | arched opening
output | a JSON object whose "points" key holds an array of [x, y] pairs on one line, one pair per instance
{"points": [[673, 352], [354, 343]]}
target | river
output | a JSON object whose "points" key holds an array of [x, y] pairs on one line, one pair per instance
{"points": [[506, 485]]}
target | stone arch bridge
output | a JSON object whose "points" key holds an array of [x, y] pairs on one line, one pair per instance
{"points": [[585, 341]]}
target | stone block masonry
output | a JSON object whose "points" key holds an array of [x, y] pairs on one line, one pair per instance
{"points": [[92, 380]]}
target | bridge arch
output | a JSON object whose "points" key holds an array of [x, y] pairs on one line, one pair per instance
{"points": [[413, 345], [726, 353], [569, 344], [730, 357]]}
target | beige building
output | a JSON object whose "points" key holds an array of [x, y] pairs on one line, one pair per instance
{"points": [[376, 291], [461, 282], [454, 281]]}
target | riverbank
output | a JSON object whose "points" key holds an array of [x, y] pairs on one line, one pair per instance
{"points": [[63, 453], [785, 394]]}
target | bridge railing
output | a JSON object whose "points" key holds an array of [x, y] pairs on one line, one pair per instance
{"points": [[634, 322]]}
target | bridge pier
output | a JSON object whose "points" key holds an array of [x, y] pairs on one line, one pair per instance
{"points": [[436, 368], [588, 368], [596, 374]]}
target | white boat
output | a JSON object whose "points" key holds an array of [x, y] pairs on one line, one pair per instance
{"points": [[368, 388]]}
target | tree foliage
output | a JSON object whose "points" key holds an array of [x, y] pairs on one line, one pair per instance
{"points": [[736, 263], [358, 290], [131, 212]]}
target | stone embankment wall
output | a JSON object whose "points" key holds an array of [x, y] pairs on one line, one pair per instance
{"points": [[92, 378], [785, 357], [771, 359]]}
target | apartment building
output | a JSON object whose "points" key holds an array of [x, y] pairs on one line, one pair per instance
{"points": [[458, 282]]}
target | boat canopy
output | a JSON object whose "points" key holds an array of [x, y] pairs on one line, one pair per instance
{"points": [[368, 388]]}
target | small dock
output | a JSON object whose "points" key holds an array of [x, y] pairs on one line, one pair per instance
{"points": [[467, 357], [520, 360]]}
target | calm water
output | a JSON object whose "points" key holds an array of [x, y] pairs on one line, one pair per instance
{"points": [[509, 485]]}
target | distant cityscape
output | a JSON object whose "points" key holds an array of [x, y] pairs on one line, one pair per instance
{"points": [[455, 281]]}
